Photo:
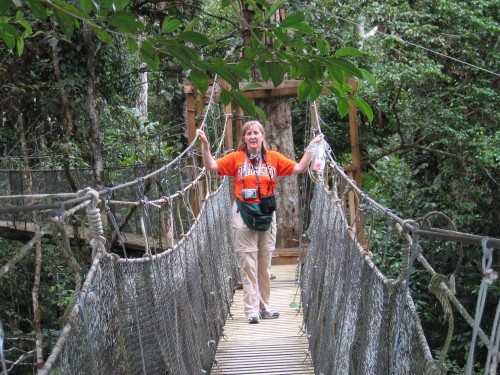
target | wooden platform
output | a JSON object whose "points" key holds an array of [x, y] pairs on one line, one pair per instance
{"points": [[272, 347]]}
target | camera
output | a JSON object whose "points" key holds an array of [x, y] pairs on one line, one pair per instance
{"points": [[249, 193]]}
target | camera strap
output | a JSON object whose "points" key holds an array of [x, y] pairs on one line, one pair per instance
{"points": [[257, 172]]}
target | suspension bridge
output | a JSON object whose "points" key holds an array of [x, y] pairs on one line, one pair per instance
{"points": [[175, 309]]}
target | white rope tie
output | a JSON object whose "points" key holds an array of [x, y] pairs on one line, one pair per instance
{"points": [[98, 240], [487, 279]]}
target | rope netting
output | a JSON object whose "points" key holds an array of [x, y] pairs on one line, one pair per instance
{"points": [[357, 320], [157, 293], [359, 315], [161, 314]]}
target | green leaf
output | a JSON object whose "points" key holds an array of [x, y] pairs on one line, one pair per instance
{"points": [[170, 24], [277, 73], [282, 37], [244, 103], [132, 45], [370, 78], [264, 70], [343, 106], [316, 90], [260, 113], [364, 108], [337, 74], [255, 8], [126, 22], [306, 68], [346, 66], [348, 51], [292, 19], [192, 24], [107, 3], [294, 305], [303, 90], [272, 10], [303, 27], [194, 37], [39, 9], [65, 22], [199, 79], [86, 6], [239, 70], [71, 10], [120, 4], [183, 54], [8, 39], [245, 64], [9, 29], [337, 89], [219, 66], [103, 35], [5, 6], [323, 46], [225, 97], [27, 28], [252, 85], [149, 55], [20, 46], [264, 3]]}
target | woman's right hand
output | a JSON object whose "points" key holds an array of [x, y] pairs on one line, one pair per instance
{"points": [[203, 137]]}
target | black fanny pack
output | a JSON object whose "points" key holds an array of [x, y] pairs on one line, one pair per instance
{"points": [[268, 204], [254, 217]]}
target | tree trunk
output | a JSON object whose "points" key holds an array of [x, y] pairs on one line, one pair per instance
{"points": [[94, 130], [28, 180], [141, 102], [66, 148]]}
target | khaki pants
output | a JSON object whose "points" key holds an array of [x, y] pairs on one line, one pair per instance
{"points": [[255, 251]]}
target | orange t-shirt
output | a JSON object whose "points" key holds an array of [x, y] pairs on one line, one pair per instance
{"points": [[275, 164]]}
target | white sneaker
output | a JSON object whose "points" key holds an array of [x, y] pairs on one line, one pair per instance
{"points": [[253, 318], [269, 314]]}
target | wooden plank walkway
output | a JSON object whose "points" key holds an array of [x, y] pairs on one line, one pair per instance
{"points": [[272, 347]]}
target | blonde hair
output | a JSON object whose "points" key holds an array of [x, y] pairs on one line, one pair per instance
{"points": [[242, 146]]}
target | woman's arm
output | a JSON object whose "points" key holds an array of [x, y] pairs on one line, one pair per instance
{"points": [[208, 161], [303, 164]]}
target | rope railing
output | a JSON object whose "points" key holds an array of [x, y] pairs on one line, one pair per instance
{"points": [[337, 187]]}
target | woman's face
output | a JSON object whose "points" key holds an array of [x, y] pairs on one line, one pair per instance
{"points": [[253, 138]]}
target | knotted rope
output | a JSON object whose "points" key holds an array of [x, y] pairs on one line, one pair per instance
{"points": [[98, 240], [488, 277]]}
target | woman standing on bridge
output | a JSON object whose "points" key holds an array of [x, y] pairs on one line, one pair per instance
{"points": [[255, 170]]}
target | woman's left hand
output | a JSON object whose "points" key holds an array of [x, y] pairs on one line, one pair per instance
{"points": [[317, 140]]}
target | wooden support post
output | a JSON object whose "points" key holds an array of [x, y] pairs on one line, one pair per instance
{"points": [[239, 124], [198, 120], [353, 126], [191, 117], [228, 113], [356, 161], [228, 139]]}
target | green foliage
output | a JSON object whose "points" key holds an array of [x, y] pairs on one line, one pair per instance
{"points": [[16, 307], [157, 40], [433, 144]]}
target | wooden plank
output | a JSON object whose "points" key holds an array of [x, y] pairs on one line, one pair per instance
{"points": [[271, 347]]}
